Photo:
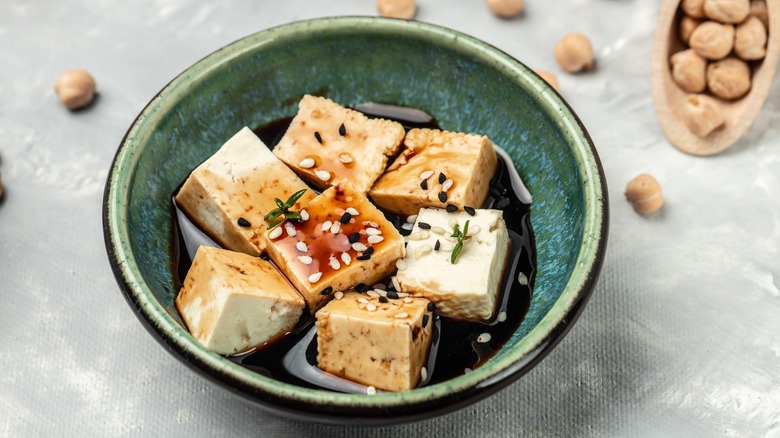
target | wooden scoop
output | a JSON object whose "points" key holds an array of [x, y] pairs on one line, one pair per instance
{"points": [[669, 99]]}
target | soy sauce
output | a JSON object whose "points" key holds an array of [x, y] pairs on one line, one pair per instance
{"points": [[454, 347]]}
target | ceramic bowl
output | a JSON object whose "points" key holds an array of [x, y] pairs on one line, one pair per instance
{"points": [[465, 83]]}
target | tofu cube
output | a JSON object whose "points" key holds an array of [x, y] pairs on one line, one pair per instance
{"points": [[466, 161], [327, 142], [240, 181], [345, 241], [384, 345], [232, 302], [470, 288]]}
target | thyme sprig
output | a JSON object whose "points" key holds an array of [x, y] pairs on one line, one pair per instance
{"points": [[284, 210], [462, 236]]}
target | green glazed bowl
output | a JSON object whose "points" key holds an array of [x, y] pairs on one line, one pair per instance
{"points": [[466, 84]]}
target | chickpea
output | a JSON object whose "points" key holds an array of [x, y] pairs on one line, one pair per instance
{"points": [[729, 79], [712, 40], [397, 8], [727, 11], [687, 24], [574, 53], [644, 194], [693, 8], [76, 89], [703, 114], [550, 78], [689, 70], [506, 8], [750, 40], [758, 9]]}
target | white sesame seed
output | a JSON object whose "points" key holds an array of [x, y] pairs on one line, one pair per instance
{"points": [[322, 174], [522, 279], [424, 234], [416, 236], [371, 307], [302, 247], [359, 247], [418, 254], [334, 263], [483, 338], [407, 226], [424, 374], [401, 315], [380, 286], [474, 230], [345, 158], [362, 305], [346, 258], [275, 233], [411, 219], [304, 215], [403, 294], [315, 277], [400, 264], [446, 185], [396, 283], [447, 247], [375, 239], [408, 300], [438, 230], [453, 222], [373, 231], [427, 174], [307, 163], [338, 295], [451, 239], [502, 316], [406, 240], [326, 226], [373, 293], [373, 224], [362, 300], [306, 260], [353, 212], [371, 390], [335, 228], [466, 370], [290, 230]]}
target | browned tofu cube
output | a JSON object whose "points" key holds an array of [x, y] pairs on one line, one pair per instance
{"points": [[344, 242], [384, 345], [228, 195], [327, 142], [437, 168]]}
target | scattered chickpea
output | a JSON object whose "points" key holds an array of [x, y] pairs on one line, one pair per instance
{"points": [[758, 9], [644, 194], [729, 79], [750, 40], [693, 8], [702, 114], [550, 78], [397, 8], [506, 8], [712, 40], [574, 53], [727, 11], [687, 24], [689, 70], [76, 89]]}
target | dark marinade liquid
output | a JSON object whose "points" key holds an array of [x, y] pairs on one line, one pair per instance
{"points": [[454, 346]]}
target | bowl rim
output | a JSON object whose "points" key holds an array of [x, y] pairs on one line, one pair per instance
{"points": [[327, 406]]}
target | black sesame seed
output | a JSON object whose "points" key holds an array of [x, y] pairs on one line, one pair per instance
{"points": [[503, 202], [424, 225], [443, 196], [442, 178], [346, 217], [382, 299], [425, 320], [243, 222], [362, 288], [342, 130], [318, 136], [424, 184], [363, 257], [392, 295], [327, 291], [451, 208], [437, 245], [431, 306], [470, 210], [354, 237], [369, 250]]}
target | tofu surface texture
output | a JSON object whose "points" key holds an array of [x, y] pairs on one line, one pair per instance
{"points": [[318, 149], [385, 348], [470, 288], [233, 302], [317, 260], [239, 181], [467, 160]]}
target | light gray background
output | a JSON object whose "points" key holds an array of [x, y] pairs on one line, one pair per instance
{"points": [[681, 338]]}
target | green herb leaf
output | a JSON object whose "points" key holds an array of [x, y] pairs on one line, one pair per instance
{"points": [[293, 215], [274, 224], [280, 204], [273, 214], [294, 198], [456, 232], [461, 236], [466, 229], [456, 251]]}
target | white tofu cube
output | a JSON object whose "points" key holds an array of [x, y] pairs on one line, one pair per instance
{"points": [[435, 169], [229, 194], [327, 142], [332, 252], [469, 288], [232, 302], [384, 345]]}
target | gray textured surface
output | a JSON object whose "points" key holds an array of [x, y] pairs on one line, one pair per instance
{"points": [[681, 338]]}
